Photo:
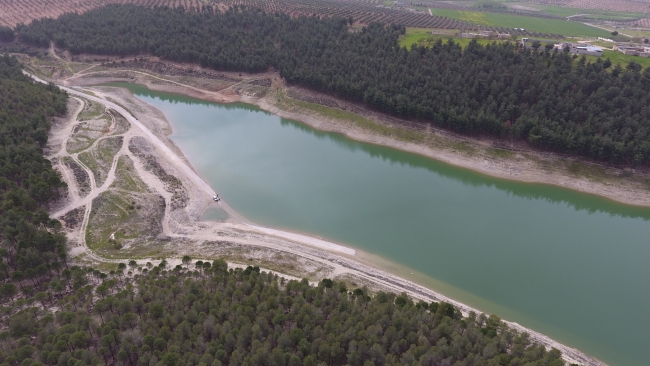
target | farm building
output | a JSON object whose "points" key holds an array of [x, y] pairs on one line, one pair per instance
{"points": [[483, 34], [494, 34], [589, 50], [580, 48], [633, 49]]}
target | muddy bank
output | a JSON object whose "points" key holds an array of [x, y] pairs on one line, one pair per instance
{"points": [[624, 185]]}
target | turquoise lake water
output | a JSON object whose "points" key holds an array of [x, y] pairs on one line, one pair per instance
{"points": [[570, 265]]}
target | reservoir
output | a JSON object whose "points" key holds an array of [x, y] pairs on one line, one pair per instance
{"points": [[569, 265]]}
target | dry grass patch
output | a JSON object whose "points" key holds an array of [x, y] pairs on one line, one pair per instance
{"points": [[121, 219], [126, 177], [86, 133], [99, 159]]}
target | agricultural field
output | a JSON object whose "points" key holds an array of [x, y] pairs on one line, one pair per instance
{"points": [[541, 25], [362, 12], [13, 12], [619, 58], [424, 37], [609, 5], [631, 33], [420, 36], [564, 11], [592, 13], [645, 23]]}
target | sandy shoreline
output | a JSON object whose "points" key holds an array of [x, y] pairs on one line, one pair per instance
{"points": [[339, 264]]}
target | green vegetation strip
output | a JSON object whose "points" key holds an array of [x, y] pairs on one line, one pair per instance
{"points": [[425, 37], [619, 58], [591, 13], [534, 24]]}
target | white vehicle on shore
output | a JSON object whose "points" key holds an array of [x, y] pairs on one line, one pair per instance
{"points": [[216, 198]]}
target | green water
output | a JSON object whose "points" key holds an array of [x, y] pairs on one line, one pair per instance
{"points": [[570, 265]]}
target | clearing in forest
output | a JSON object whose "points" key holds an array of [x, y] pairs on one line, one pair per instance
{"points": [[425, 37]]}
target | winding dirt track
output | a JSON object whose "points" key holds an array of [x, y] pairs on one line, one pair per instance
{"points": [[316, 250], [180, 164]]}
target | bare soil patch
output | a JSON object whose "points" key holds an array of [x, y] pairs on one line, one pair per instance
{"points": [[72, 220], [87, 132], [170, 69], [173, 185], [81, 177]]}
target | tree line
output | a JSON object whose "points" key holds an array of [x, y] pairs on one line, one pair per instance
{"points": [[203, 313], [32, 245], [550, 99]]}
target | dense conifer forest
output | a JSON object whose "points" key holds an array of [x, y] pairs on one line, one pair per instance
{"points": [[550, 99], [204, 314], [32, 245]]}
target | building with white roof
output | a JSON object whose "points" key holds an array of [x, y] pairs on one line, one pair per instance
{"points": [[580, 48]]}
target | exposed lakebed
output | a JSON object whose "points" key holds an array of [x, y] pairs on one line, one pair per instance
{"points": [[570, 265]]}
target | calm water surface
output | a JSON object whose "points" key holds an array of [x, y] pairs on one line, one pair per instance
{"points": [[570, 265]]}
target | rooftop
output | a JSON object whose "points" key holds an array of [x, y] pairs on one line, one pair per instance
{"points": [[591, 48]]}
